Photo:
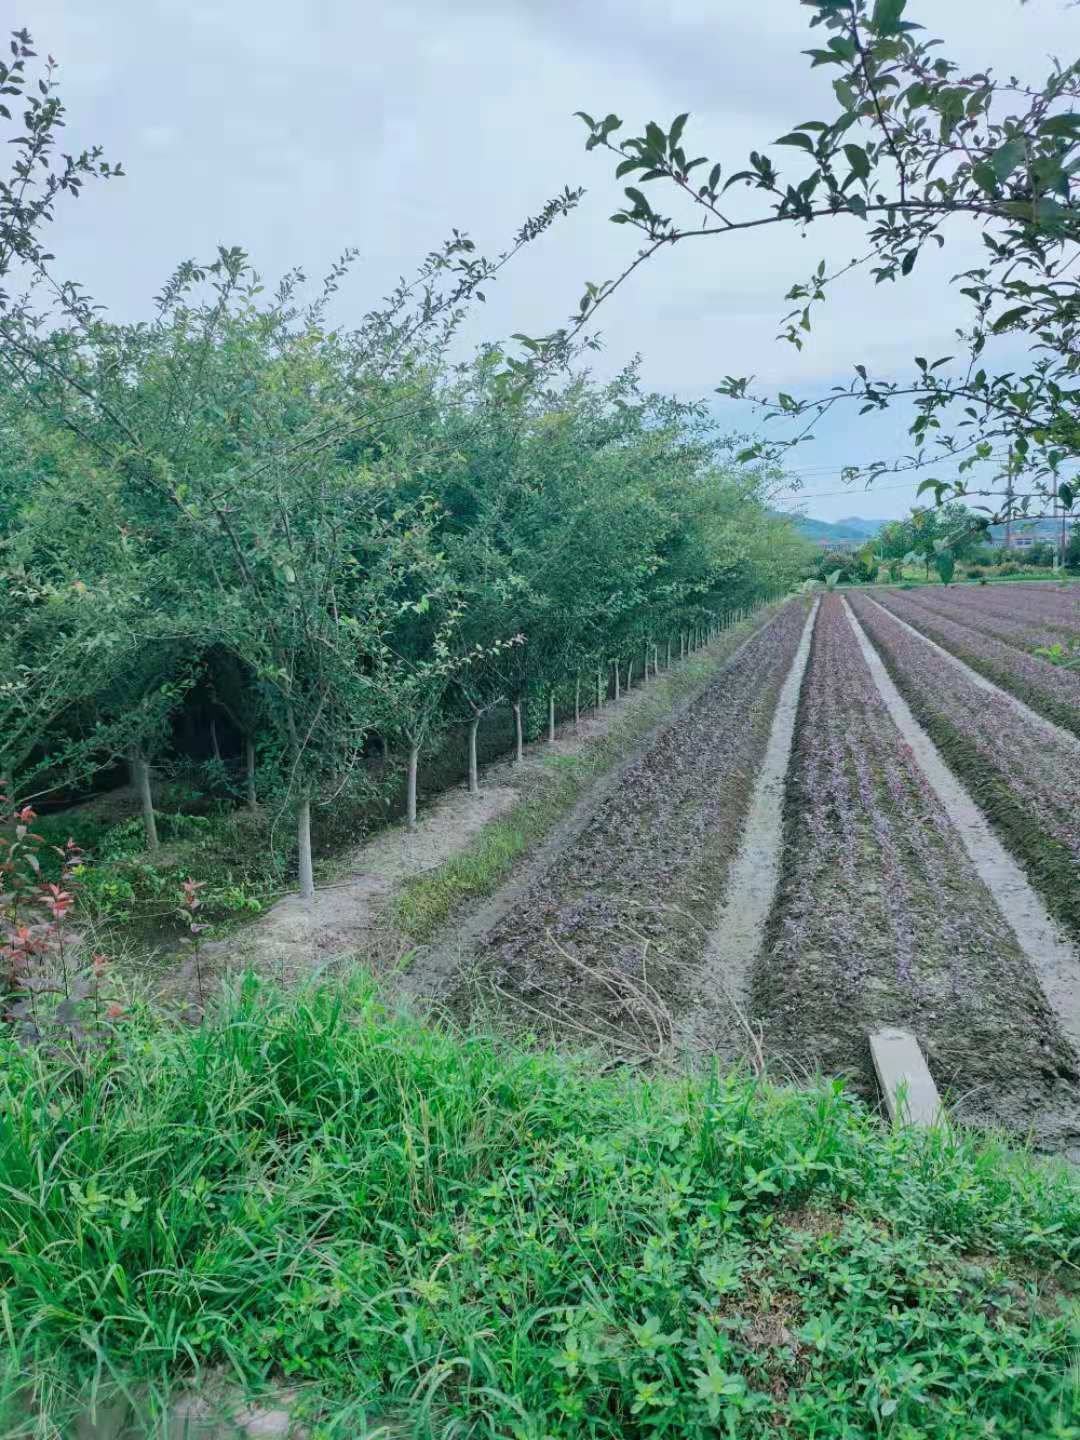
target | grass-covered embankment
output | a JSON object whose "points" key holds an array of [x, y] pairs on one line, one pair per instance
{"points": [[460, 1238]]}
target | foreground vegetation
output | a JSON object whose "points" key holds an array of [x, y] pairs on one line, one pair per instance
{"points": [[449, 1236]]}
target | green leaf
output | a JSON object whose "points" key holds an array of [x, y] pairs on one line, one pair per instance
{"points": [[1066, 495], [1005, 159], [677, 127], [887, 15], [803, 141], [908, 262], [858, 160], [1066, 125], [1010, 317]]}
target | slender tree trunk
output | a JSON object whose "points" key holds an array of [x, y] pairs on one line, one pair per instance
{"points": [[577, 705], [599, 689], [551, 717], [667, 663], [655, 661], [629, 674], [249, 772], [303, 841], [682, 644], [140, 780], [519, 734], [215, 746], [617, 695], [645, 669], [474, 769], [410, 793]]}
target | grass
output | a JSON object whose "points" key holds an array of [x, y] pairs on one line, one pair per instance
{"points": [[427, 903], [439, 1235]]}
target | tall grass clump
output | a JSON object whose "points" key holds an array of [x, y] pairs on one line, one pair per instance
{"points": [[450, 1236]]}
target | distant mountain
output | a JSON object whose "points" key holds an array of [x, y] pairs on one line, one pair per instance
{"points": [[853, 529]]}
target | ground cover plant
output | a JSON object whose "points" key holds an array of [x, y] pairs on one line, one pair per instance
{"points": [[881, 918], [1025, 781], [1027, 630], [446, 1235], [1050, 689], [604, 944], [1037, 605]]}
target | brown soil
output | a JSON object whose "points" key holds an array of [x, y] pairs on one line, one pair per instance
{"points": [[601, 941], [884, 918], [346, 920]]}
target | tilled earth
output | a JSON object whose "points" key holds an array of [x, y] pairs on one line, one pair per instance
{"points": [[881, 919], [603, 945]]}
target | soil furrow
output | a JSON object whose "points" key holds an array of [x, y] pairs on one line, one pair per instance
{"points": [[881, 918], [601, 940], [716, 1020], [1046, 693], [1023, 777], [1023, 1050]]}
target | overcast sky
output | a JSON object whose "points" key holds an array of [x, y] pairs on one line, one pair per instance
{"points": [[294, 130]]}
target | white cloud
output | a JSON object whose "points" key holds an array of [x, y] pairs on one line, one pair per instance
{"points": [[295, 131]]}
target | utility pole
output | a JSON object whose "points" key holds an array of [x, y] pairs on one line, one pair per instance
{"points": [[1063, 539]]}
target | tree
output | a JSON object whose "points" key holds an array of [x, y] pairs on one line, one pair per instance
{"points": [[38, 175], [925, 532], [913, 143]]}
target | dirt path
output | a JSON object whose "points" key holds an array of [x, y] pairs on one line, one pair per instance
{"points": [[1052, 957], [599, 935], [722, 986], [296, 938], [1032, 717]]}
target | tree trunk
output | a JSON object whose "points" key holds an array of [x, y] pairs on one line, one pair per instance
{"points": [[629, 675], [303, 840], [140, 780], [519, 734], [645, 670], [249, 770], [215, 746], [617, 696], [577, 705], [667, 663], [474, 770], [599, 689], [551, 717], [682, 644], [410, 793]]}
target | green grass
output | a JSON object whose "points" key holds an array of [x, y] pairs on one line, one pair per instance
{"points": [[427, 903], [462, 1239]]}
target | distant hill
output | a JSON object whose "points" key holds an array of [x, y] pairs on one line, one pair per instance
{"points": [[1043, 529], [853, 528]]}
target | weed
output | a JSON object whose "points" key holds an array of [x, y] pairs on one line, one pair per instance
{"points": [[477, 1240]]}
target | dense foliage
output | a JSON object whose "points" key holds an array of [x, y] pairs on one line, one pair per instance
{"points": [[447, 1236], [331, 535]]}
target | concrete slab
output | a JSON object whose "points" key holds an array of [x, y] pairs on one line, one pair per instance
{"points": [[910, 1093]]}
